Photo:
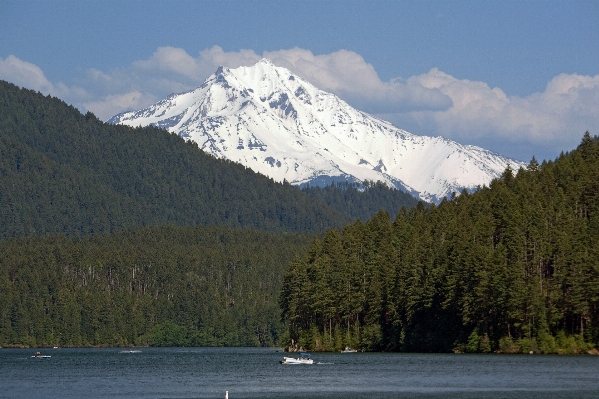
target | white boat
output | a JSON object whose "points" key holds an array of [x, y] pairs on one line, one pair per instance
{"points": [[303, 359], [348, 350], [38, 355]]}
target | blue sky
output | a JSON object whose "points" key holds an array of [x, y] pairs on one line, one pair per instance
{"points": [[519, 78]]}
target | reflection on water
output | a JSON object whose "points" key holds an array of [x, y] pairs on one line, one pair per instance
{"points": [[256, 373]]}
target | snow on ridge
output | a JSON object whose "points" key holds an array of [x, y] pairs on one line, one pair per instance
{"points": [[276, 123]]}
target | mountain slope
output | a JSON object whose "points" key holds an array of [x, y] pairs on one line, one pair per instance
{"points": [[274, 122]]}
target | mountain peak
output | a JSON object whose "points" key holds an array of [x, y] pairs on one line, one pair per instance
{"points": [[220, 70], [265, 61], [277, 124]]}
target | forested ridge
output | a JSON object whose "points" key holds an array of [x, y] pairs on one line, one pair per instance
{"points": [[362, 201], [513, 267], [64, 172]]}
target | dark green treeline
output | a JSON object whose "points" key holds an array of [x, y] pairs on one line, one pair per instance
{"points": [[201, 286], [362, 201], [513, 267]]}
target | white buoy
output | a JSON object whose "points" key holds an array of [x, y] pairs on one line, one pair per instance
{"points": [[226, 394]]}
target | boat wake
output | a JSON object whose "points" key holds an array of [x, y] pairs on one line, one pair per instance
{"points": [[38, 355]]}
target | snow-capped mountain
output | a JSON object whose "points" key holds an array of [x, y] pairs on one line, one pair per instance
{"points": [[276, 123]]}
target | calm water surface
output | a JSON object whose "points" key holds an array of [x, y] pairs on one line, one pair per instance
{"points": [[256, 373]]}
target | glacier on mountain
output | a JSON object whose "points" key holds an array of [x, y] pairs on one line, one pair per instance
{"points": [[274, 122]]}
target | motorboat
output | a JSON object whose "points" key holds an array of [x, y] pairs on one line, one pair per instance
{"points": [[38, 355], [303, 359], [348, 350]]}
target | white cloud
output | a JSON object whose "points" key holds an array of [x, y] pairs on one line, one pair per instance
{"points": [[214, 57], [173, 61], [348, 75], [24, 74], [345, 73], [114, 104], [30, 76], [559, 115]]}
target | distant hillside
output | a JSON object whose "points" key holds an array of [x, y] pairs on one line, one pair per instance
{"points": [[70, 173], [64, 172]]}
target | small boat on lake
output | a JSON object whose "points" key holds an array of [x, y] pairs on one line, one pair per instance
{"points": [[38, 355], [303, 359], [348, 350]]}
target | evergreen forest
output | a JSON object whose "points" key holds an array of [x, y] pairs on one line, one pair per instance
{"points": [[362, 201], [511, 268], [119, 236], [159, 286]]}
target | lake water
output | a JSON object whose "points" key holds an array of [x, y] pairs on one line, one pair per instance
{"points": [[256, 373]]}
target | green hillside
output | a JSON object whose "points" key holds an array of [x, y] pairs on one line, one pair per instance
{"points": [[64, 172], [513, 267]]}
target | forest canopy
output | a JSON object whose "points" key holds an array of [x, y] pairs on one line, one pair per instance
{"points": [[168, 286]]}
